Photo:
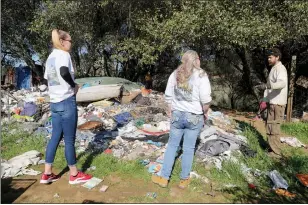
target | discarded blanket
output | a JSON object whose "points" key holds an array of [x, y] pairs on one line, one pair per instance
{"points": [[292, 141], [18, 165], [213, 148], [123, 118], [215, 142], [29, 109]]}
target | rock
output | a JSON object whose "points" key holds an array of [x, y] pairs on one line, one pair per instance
{"points": [[13, 132], [30, 126], [135, 153], [44, 119], [103, 188], [43, 88], [81, 111], [142, 154], [119, 153], [92, 168], [305, 117]]}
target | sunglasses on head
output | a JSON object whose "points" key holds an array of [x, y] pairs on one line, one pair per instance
{"points": [[67, 40]]}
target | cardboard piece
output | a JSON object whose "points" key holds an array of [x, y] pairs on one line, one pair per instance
{"points": [[92, 183]]}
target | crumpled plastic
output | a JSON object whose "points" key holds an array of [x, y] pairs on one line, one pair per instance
{"points": [[278, 180], [154, 167], [157, 144]]}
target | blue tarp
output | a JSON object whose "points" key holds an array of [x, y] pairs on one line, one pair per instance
{"points": [[23, 77]]}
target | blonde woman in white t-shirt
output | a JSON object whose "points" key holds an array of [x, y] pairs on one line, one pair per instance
{"points": [[188, 95], [62, 90]]}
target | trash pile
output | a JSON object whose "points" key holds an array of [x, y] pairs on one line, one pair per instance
{"points": [[131, 126], [24, 105]]}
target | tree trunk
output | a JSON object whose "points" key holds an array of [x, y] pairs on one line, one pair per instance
{"points": [[77, 62], [232, 100], [136, 76], [265, 70], [291, 89], [248, 67], [106, 65]]}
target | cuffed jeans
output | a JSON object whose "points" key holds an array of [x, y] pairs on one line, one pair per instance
{"points": [[189, 125], [64, 122]]}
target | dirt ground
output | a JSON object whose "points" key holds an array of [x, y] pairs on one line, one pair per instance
{"points": [[259, 125], [27, 189]]}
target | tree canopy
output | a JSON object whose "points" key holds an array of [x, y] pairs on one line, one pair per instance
{"points": [[129, 38]]}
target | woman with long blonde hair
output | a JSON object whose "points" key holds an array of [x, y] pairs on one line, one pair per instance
{"points": [[188, 95], [62, 91]]}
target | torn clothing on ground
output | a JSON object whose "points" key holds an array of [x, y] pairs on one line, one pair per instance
{"points": [[19, 164]]}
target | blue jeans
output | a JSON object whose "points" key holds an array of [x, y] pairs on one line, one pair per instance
{"points": [[189, 125], [64, 122]]}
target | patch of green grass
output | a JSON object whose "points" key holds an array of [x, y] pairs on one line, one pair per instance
{"points": [[298, 130], [107, 164], [176, 172], [295, 161], [261, 161], [18, 142], [231, 172], [141, 200]]}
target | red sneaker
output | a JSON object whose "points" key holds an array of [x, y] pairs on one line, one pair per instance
{"points": [[46, 179], [80, 178]]}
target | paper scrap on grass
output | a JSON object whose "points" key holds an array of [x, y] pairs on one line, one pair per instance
{"points": [[92, 183], [103, 188]]}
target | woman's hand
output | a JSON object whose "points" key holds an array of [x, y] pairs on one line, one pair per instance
{"points": [[169, 111], [76, 89], [206, 116], [206, 108]]}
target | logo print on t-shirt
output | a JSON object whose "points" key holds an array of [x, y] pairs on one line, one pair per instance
{"points": [[182, 94], [52, 75]]}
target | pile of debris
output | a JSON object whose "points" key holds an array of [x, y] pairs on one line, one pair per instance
{"points": [[130, 126]]}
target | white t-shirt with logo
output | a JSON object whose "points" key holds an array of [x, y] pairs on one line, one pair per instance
{"points": [[192, 98], [59, 89]]}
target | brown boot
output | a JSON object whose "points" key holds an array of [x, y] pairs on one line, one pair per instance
{"points": [[184, 183], [160, 181]]}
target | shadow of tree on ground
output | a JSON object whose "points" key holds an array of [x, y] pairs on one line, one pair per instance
{"points": [[262, 142], [12, 189]]}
